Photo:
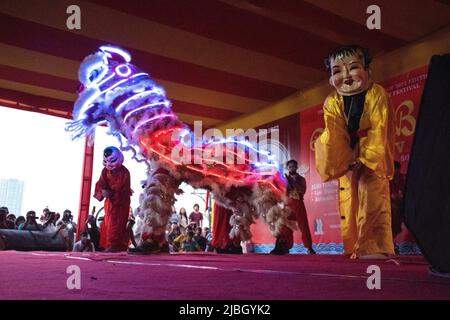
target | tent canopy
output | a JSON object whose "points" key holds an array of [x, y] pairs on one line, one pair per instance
{"points": [[217, 59]]}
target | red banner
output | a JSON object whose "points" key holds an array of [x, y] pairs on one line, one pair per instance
{"points": [[405, 92]]}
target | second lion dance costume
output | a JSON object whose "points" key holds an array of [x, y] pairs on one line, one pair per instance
{"points": [[357, 147], [114, 185]]}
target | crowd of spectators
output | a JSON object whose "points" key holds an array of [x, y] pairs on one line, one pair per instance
{"points": [[48, 222], [185, 234], [189, 239]]}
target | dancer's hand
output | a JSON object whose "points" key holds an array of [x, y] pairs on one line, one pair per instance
{"points": [[355, 166], [98, 196], [358, 166], [106, 193]]}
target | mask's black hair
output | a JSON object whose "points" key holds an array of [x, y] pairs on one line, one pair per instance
{"points": [[347, 51], [108, 151]]}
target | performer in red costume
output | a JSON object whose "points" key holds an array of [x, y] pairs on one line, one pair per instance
{"points": [[114, 185], [295, 191]]}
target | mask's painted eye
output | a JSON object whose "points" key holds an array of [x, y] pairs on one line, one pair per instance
{"points": [[336, 72], [94, 74], [123, 70]]}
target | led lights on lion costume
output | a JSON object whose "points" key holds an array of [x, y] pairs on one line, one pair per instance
{"points": [[139, 115]]}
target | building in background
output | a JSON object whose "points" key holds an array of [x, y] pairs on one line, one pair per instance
{"points": [[11, 195]]}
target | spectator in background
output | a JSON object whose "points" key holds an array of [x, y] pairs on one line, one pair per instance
{"points": [[93, 231], [30, 223], [183, 219], [11, 221], [189, 244], [208, 236], [173, 234], [178, 241], [84, 245], [130, 225], [44, 214], [19, 221], [200, 239], [174, 218], [66, 228], [57, 217], [6, 219], [3, 214], [70, 226], [196, 217], [48, 225]]}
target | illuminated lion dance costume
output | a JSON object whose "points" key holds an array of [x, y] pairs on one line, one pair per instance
{"points": [[115, 91]]}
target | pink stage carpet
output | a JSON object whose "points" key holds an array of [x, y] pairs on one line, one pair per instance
{"points": [[202, 276]]}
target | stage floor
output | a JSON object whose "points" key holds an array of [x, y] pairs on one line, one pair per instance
{"points": [[204, 276]]}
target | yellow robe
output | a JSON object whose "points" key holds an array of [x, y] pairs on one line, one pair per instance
{"points": [[364, 201]]}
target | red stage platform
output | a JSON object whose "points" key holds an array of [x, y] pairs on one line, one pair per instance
{"points": [[42, 275]]}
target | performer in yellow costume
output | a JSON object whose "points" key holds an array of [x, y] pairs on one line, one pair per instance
{"points": [[357, 147]]}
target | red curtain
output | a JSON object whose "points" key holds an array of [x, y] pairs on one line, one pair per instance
{"points": [[221, 227]]}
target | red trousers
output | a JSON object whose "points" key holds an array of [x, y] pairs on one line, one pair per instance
{"points": [[113, 232], [298, 214]]}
